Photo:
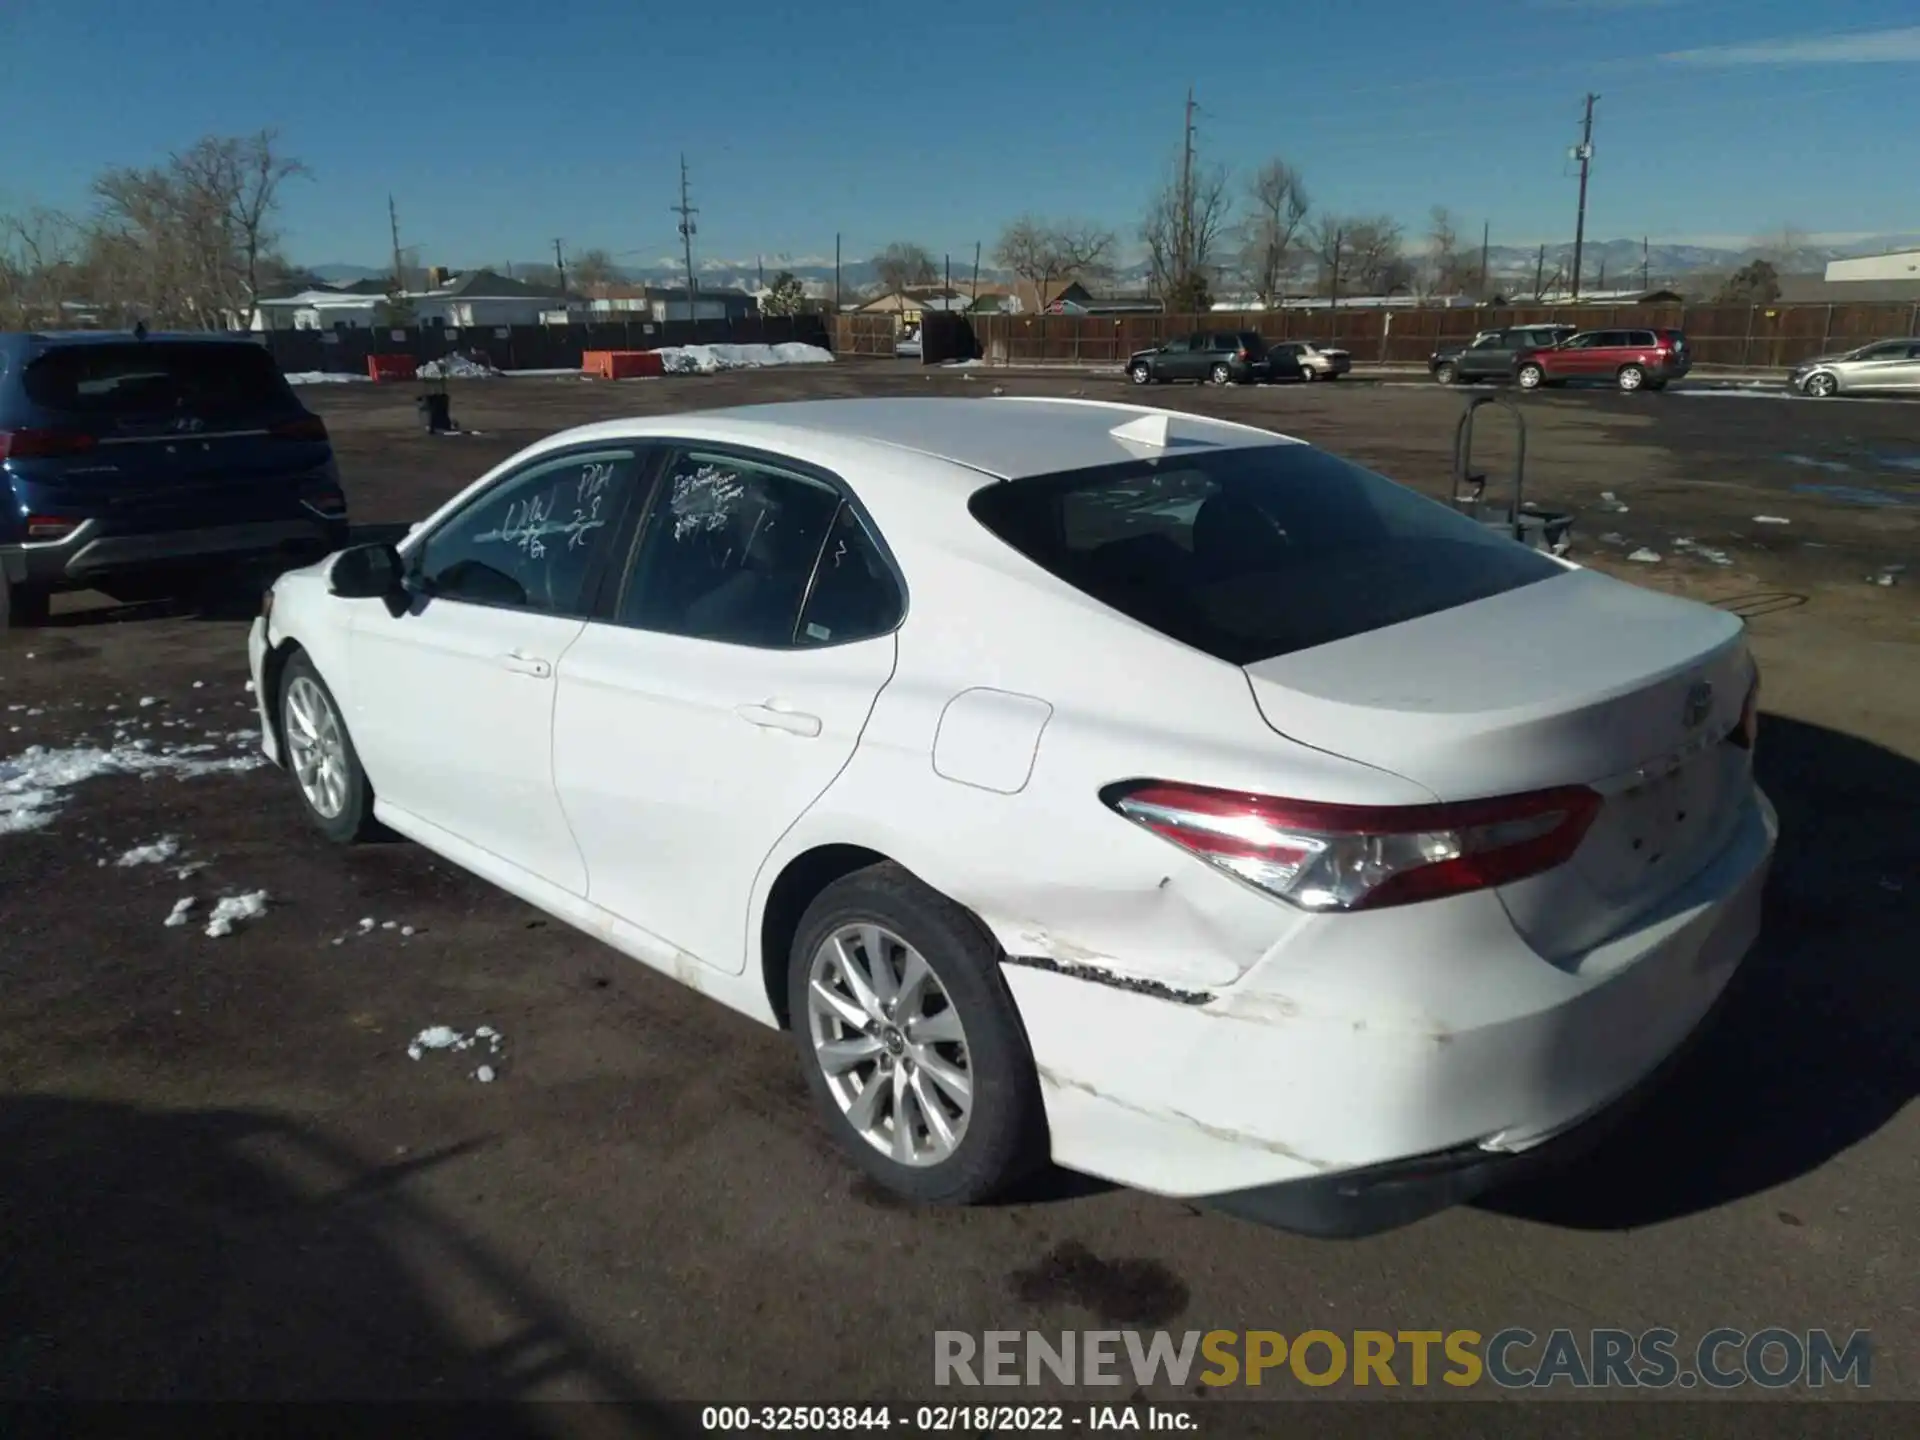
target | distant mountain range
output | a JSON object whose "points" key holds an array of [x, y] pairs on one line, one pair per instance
{"points": [[1618, 262]]}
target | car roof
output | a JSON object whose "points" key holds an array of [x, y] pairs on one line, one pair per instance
{"points": [[61, 339], [1010, 438]]}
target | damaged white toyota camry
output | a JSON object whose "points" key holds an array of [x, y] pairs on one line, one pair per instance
{"points": [[1153, 793]]}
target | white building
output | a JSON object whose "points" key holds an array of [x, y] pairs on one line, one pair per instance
{"points": [[476, 299], [1894, 265]]}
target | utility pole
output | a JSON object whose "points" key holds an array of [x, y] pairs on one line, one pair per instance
{"points": [[1486, 243], [1183, 231], [393, 224], [560, 262], [686, 212], [1333, 301], [976, 272], [949, 260], [1646, 262], [836, 272], [1584, 154], [1540, 272]]}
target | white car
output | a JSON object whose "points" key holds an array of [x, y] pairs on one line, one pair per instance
{"points": [[1154, 793]]}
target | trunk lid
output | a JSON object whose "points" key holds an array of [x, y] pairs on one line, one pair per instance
{"points": [[1580, 679]]}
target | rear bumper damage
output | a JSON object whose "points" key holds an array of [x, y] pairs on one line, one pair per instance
{"points": [[1376, 1067]]}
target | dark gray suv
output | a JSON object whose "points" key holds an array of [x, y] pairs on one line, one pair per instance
{"points": [[1215, 357]]}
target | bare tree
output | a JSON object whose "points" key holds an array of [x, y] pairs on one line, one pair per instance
{"points": [[1361, 255], [1270, 234], [192, 240], [39, 265], [1783, 248], [1447, 271], [901, 264], [1183, 230], [1042, 252], [593, 267]]}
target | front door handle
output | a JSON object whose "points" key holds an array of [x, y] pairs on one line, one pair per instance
{"points": [[774, 716], [532, 665]]}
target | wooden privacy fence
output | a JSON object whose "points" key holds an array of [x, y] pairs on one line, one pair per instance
{"points": [[1769, 336]]}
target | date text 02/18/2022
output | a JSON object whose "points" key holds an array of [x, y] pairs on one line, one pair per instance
{"points": [[945, 1419]]}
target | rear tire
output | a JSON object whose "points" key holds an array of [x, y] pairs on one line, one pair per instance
{"points": [[23, 606], [1530, 376], [1630, 379], [1000, 1137], [313, 735], [1220, 375]]}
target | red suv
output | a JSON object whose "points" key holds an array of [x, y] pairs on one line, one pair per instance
{"points": [[1631, 359]]}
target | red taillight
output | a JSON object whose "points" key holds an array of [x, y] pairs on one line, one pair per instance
{"points": [[1241, 353], [1747, 733], [49, 527], [35, 444], [1354, 857], [307, 427]]}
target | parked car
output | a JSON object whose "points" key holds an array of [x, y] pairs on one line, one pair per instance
{"points": [[1008, 753], [1218, 357], [1630, 359], [1886, 365], [1314, 362], [1491, 355], [907, 346], [133, 463]]}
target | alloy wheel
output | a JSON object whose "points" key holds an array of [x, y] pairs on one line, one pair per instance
{"points": [[317, 747], [890, 1044]]}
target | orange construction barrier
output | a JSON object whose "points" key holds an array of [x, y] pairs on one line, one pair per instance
{"points": [[392, 367], [621, 364]]}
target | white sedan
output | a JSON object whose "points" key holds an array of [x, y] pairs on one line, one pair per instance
{"points": [[1153, 793]]}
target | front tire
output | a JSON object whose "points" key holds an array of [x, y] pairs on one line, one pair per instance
{"points": [[1820, 387], [23, 606], [1140, 373], [910, 1040], [319, 754], [1530, 377], [1446, 374]]}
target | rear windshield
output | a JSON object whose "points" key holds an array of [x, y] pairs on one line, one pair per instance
{"points": [[1251, 554], [1252, 343], [206, 380]]}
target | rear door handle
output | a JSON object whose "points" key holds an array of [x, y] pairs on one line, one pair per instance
{"points": [[773, 716], [527, 664]]}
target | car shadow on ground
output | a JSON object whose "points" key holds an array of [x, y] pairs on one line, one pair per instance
{"points": [[232, 1256], [1815, 1048], [225, 597]]}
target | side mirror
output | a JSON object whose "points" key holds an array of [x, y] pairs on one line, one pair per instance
{"points": [[366, 572]]}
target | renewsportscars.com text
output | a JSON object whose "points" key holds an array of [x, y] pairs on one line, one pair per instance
{"points": [[1512, 1358]]}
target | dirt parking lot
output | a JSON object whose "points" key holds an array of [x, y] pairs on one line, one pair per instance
{"points": [[221, 1175]]}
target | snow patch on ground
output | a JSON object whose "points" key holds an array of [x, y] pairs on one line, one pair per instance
{"points": [[182, 909], [456, 367], [706, 359], [32, 781], [233, 908], [324, 377], [159, 852], [445, 1037]]}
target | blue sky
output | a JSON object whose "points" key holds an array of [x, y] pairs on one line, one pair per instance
{"points": [[501, 125]]}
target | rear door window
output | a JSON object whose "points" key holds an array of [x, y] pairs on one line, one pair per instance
{"points": [[222, 381], [1251, 554]]}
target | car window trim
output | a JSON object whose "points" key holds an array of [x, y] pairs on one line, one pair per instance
{"points": [[591, 582], [671, 449]]}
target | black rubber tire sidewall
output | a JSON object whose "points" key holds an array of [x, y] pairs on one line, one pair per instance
{"points": [[1006, 1132], [1626, 370], [22, 607], [1447, 375], [355, 820], [1140, 374]]}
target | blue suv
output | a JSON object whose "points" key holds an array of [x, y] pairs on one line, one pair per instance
{"points": [[142, 464]]}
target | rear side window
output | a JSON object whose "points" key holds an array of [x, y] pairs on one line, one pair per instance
{"points": [[206, 380], [1251, 554], [1252, 343]]}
